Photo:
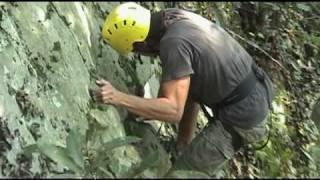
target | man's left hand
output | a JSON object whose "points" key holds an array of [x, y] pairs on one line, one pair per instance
{"points": [[107, 93]]}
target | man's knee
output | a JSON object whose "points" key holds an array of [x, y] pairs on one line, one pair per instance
{"points": [[207, 163], [208, 151]]}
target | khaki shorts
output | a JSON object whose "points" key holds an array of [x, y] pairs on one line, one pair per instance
{"points": [[215, 145]]}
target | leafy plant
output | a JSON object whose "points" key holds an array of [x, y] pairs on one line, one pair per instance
{"points": [[71, 156], [147, 162]]}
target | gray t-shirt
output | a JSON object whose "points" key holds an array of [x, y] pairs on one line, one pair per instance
{"points": [[216, 63]]}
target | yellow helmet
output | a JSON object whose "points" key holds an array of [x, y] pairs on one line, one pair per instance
{"points": [[126, 24]]}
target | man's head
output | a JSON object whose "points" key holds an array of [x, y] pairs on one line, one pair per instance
{"points": [[126, 25]]}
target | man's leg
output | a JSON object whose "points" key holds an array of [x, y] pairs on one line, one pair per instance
{"points": [[209, 150]]}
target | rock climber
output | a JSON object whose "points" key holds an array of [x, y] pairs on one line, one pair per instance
{"points": [[202, 66]]}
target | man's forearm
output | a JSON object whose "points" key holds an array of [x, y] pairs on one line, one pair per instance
{"points": [[158, 108], [168, 108], [188, 123]]}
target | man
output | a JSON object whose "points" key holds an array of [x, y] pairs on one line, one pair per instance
{"points": [[201, 65]]}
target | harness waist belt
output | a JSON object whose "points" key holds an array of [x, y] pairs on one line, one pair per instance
{"points": [[243, 89]]}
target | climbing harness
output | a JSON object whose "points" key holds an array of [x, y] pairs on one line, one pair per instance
{"points": [[239, 93]]}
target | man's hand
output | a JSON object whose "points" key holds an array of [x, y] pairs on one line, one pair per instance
{"points": [[107, 93]]}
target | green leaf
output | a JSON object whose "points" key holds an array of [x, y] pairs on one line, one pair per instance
{"points": [[74, 147], [59, 155], [303, 7], [274, 6], [64, 176], [120, 142], [315, 115], [106, 173], [252, 34], [28, 150], [102, 152], [260, 35], [151, 160], [306, 154], [315, 153], [184, 174]]}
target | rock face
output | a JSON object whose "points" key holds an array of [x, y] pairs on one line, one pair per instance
{"points": [[51, 53]]}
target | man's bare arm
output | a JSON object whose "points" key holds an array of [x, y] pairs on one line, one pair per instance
{"points": [[168, 108], [188, 123]]}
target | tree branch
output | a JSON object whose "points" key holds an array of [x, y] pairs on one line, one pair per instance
{"points": [[256, 46]]}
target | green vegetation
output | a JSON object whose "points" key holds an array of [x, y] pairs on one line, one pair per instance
{"points": [[284, 39]]}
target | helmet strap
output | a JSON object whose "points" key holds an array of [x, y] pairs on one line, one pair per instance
{"points": [[157, 29]]}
